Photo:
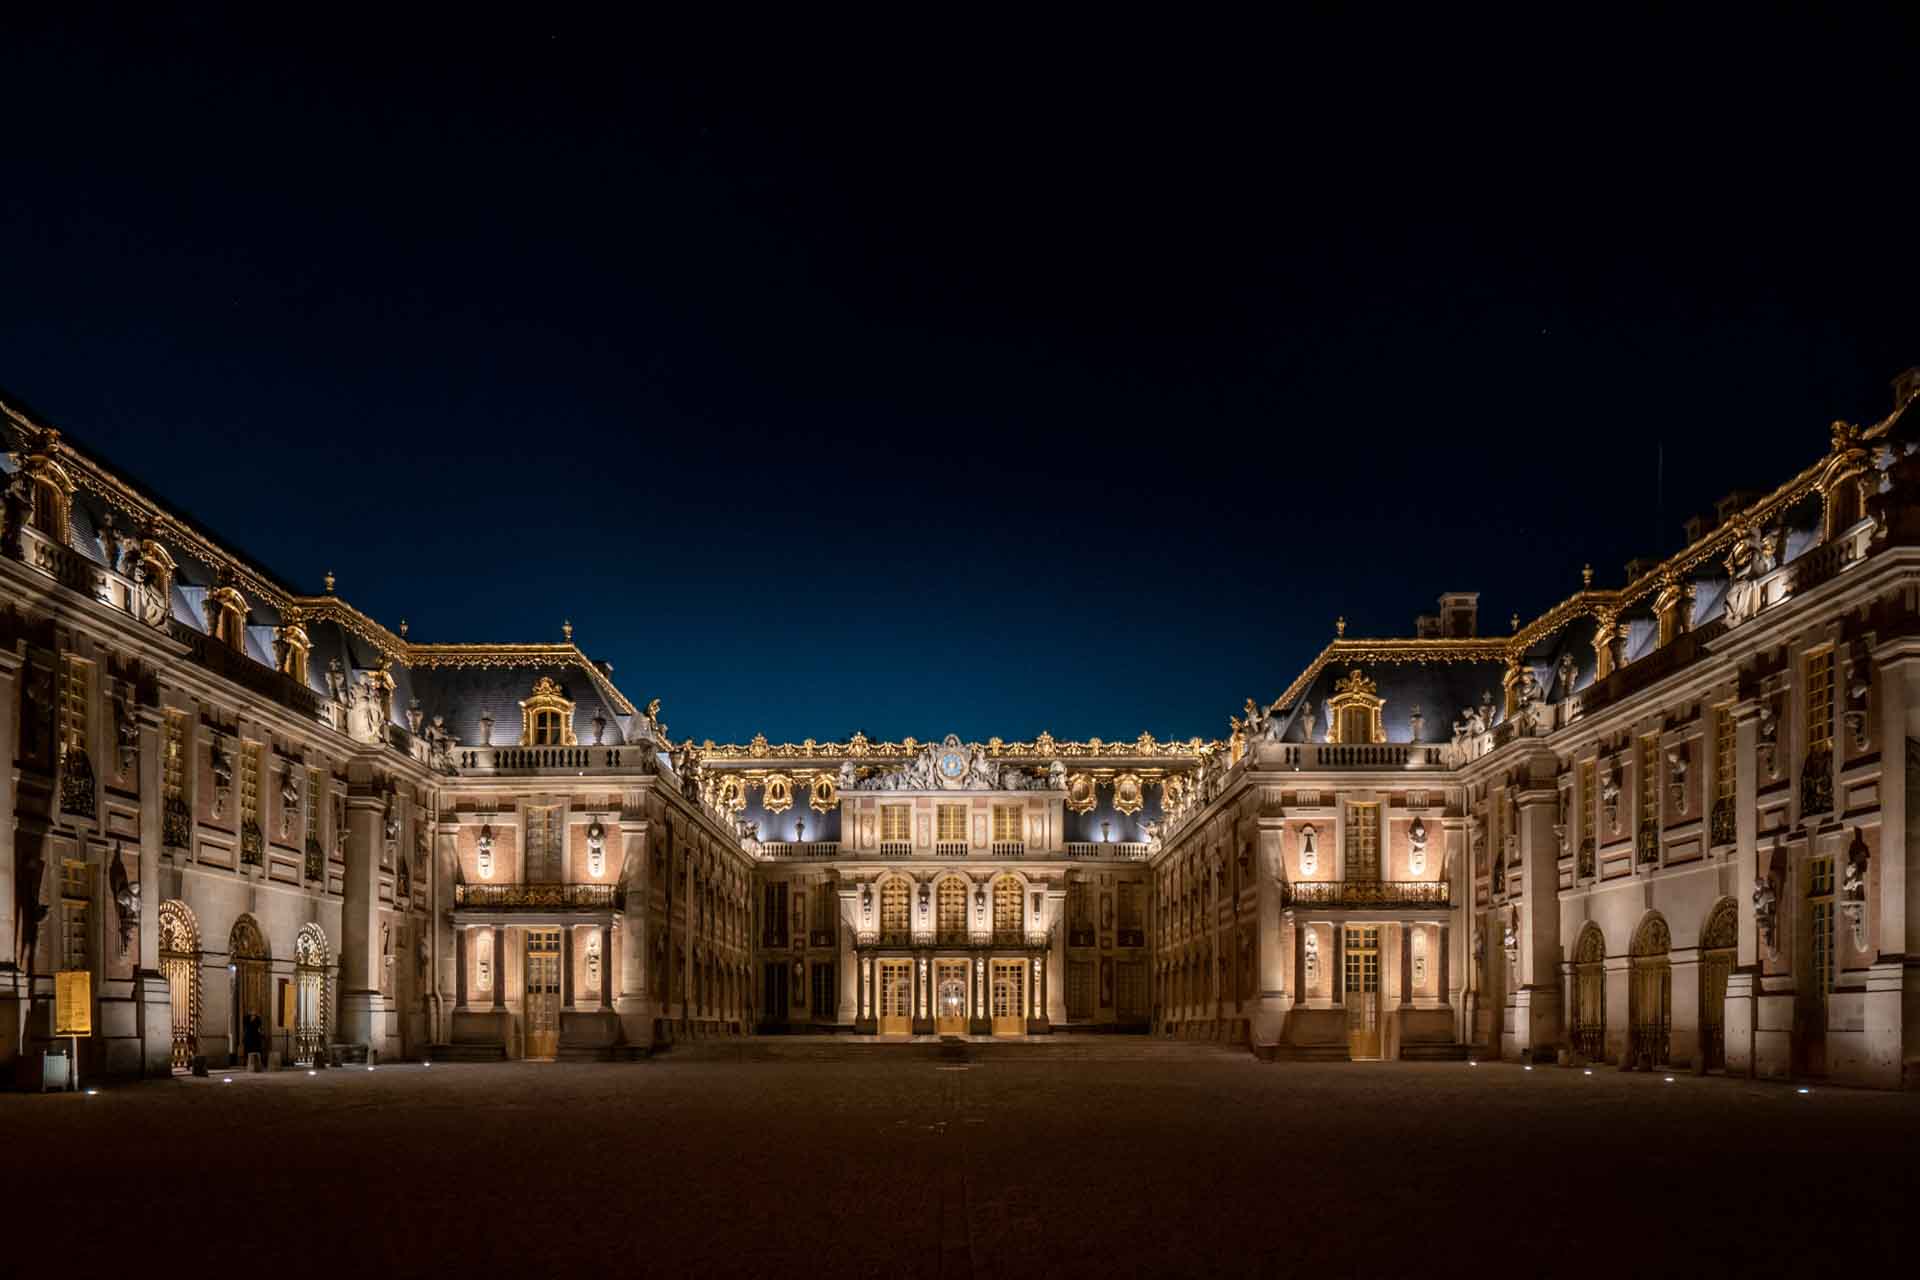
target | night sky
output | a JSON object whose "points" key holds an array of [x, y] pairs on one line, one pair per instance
{"points": [[897, 381]]}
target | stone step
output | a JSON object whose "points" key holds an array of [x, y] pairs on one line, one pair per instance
{"points": [[846, 1048]]}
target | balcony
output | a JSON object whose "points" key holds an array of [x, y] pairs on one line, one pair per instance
{"points": [[537, 897], [1368, 893], [1353, 755], [949, 848], [790, 850], [896, 848], [1009, 848], [576, 760], [1117, 851]]}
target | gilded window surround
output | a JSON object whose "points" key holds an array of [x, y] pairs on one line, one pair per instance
{"points": [[546, 698]]}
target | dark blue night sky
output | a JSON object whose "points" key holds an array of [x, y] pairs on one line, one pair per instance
{"points": [[1077, 389]]}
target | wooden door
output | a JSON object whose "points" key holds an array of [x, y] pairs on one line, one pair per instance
{"points": [[1714, 971], [896, 997], [1362, 992], [950, 997], [1009, 997], [543, 993]]}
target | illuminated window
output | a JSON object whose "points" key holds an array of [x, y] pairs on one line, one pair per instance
{"points": [[76, 677], [1819, 686], [1820, 904], [951, 904], [896, 823], [950, 822], [546, 716], [544, 844], [76, 895], [250, 784], [316, 783], [1007, 828], [1356, 724], [1008, 917], [1363, 842], [895, 899]]}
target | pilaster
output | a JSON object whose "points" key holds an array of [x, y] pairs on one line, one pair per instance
{"points": [[364, 1010]]}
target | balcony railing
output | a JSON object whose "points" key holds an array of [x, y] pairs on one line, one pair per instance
{"points": [[549, 759], [1009, 848], [1119, 851], [896, 848], [771, 849], [949, 848], [1360, 755], [1368, 893], [538, 897]]}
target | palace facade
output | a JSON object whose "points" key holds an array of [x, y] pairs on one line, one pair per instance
{"points": [[1661, 824]]}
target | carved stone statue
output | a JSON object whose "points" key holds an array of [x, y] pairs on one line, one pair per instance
{"points": [[596, 850], [1569, 672], [1309, 856], [126, 899], [391, 826], [1310, 945], [336, 681], [849, 777], [1853, 889], [1056, 776], [1766, 912], [1766, 747], [483, 848], [1306, 721], [593, 962], [1677, 776], [221, 765], [289, 799], [1262, 723], [1510, 934], [1417, 847], [126, 732], [1416, 725], [1610, 794]]}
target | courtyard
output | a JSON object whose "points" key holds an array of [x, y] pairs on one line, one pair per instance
{"points": [[1096, 1157]]}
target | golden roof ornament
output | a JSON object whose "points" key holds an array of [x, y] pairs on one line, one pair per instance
{"points": [[1355, 681], [566, 630], [403, 628], [1586, 576], [1340, 625], [329, 581]]}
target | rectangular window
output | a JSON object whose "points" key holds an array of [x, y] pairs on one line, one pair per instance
{"points": [[826, 997], [775, 912], [1363, 842], [1078, 910], [1129, 905], [1589, 797], [1819, 687], [1723, 775], [76, 677], [1133, 990], [543, 844], [1649, 778], [1007, 827], [250, 784], [1080, 991], [896, 823], [316, 788], [76, 897], [950, 823], [1820, 904], [173, 778]]}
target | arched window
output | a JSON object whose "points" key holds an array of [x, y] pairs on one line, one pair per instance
{"points": [[895, 920], [312, 1006], [248, 954], [1650, 993], [951, 921], [1008, 918], [1590, 992], [1717, 942], [546, 716], [180, 963]]}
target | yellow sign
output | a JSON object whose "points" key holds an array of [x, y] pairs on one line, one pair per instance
{"points": [[73, 1003]]}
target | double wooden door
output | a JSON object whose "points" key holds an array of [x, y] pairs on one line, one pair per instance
{"points": [[896, 997], [1009, 991], [543, 993], [950, 997], [1361, 991]]}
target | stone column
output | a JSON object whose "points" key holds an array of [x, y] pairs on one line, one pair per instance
{"points": [[364, 1012], [1537, 1022], [1270, 919], [634, 1003], [13, 994], [156, 1002], [1442, 956], [566, 967], [1339, 964], [606, 966], [500, 971], [1746, 1043], [1893, 985], [459, 968], [1406, 965], [866, 1020]]}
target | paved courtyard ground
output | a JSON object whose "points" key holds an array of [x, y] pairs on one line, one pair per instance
{"points": [[1102, 1160]]}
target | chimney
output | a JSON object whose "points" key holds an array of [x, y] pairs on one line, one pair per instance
{"points": [[1427, 627], [1460, 614]]}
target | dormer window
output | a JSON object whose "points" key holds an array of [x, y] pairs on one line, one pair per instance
{"points": [[546, 716], [1354, 711], [227, 617]]}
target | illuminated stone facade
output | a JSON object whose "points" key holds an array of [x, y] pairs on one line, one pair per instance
{"points": [[1660, 824]]}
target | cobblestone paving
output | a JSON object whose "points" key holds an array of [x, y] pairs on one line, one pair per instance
{"points": [[1110, 1161]]}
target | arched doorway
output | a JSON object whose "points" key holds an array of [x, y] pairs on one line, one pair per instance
{"points": [[180, 965], [252, 994], [1650, 993], [1008, 916], [1717, 942], [1590, 993], [312, 958], [950, 997], [896, 921]]}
